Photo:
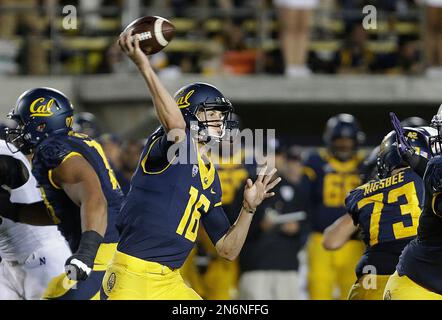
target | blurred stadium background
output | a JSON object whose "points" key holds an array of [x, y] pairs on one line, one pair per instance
{"points": [[237, 46]]}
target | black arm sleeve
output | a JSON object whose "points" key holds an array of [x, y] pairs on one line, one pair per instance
{"points": [[34, 213], [13, 172], [416, 162], [7, 208]]}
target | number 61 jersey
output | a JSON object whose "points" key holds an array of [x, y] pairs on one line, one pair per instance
{"points": [[160, 217], [387, 211], [328, 183]]}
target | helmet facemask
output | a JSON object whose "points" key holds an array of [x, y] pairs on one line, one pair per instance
{"points": [[436, 141], [18, 137], [21, 136], [212, 117]]}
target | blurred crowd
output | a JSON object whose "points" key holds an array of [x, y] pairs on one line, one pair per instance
{"points": [[291, 37]]}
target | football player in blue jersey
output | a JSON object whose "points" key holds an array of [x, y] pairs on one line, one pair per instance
{"points": [[79, 189], [160, 217], [418, 274], [387, 211], [332, 172]]}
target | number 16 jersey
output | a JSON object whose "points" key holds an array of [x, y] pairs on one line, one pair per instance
{"points": [[160, 217]]}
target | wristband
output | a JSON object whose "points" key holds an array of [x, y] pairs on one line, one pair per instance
{"points": [[89, 244], [252, 211]]}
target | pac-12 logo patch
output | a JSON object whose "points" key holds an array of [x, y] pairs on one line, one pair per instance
{"points": [[194, 170], [111, 282]]}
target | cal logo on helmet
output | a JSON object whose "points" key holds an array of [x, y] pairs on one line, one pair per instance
{"points": [[39, 109], [183, 100]]}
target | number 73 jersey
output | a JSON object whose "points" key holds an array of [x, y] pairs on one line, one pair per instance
{"points": [[388, 209]]}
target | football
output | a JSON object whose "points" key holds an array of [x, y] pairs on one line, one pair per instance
{"points": [[155, 32]]}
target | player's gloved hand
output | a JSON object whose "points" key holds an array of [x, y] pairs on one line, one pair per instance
{"points": [[79, 266], [404, 147]]}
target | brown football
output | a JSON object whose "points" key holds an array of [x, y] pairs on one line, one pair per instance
{"points": [[155, 32]]}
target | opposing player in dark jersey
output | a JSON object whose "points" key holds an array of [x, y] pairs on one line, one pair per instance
{"points": [[418, 274], [174, 187], [387, 211], [79, 190]]}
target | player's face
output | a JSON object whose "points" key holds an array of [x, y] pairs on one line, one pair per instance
{"points": [[215, 119], [343, 148]]}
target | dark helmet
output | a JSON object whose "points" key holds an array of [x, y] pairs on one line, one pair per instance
{"points": [[200, 96], [389, 157], [39, 113], [6, 125], [342, 126], [414, 122], [369, 168], [86, 123]]}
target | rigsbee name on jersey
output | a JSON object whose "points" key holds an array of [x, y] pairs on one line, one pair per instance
{"points": [[373, 186]]}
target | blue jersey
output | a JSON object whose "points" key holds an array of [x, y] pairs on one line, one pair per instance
{"points": [[421, 259], [387, 211], [64, 212], [160, 217], [329, 181]]}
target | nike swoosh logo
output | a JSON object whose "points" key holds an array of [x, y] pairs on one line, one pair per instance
{"points": [[212, 192]]}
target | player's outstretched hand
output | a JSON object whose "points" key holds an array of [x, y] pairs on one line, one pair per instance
{"points": [[404, 146], [255, 193], [78, 267], [130, 44]]}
